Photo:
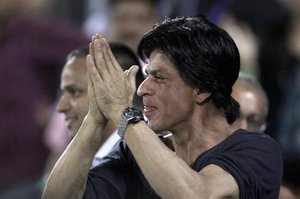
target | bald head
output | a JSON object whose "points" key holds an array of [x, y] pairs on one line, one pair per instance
{"points": [[253, 102]]}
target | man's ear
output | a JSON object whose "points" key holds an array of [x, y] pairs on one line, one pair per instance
{"points": [[201, 97]]}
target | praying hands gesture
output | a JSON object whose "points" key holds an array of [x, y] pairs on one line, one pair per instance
{"points": [[113, 89], [110, 90]]}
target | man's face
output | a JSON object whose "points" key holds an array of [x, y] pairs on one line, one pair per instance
{"points": [[129, 21], [168, 100], [252, 105], [73, 102]]}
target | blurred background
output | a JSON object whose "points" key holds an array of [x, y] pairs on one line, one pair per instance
{"points": [[37, 35]]}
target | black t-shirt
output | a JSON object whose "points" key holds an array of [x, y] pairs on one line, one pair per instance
{"points": [[253, 159]]}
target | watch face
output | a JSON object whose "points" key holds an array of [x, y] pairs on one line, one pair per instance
{"points": [[134, 114], [130, 115]]}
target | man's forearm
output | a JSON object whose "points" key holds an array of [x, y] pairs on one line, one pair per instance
{"points": [[168, 175], [69, 175]]}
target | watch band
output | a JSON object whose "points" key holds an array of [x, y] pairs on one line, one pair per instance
{"points": [[122, 126], [129, 115]]}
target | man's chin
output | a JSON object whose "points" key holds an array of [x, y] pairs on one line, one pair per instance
{"points": [[71, 135], [154, 127], [72, 132]]}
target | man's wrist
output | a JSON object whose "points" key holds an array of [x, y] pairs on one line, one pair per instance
{"points": [[117, 114], [129, 115]]}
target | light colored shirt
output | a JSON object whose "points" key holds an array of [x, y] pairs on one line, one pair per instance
{"points": [[107, 146]]}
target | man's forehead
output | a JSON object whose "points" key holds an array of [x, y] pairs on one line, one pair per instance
{"points": [[157, 57], [75, 64], [159, 62], [71, 78]]}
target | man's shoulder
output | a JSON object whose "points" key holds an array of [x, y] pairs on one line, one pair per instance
{"points": [[253, 159], [243, 137], [242, 145]]}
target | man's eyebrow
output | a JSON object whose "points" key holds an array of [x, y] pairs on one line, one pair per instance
{"points": [[69, 87], [154, 71], [66, 86]]}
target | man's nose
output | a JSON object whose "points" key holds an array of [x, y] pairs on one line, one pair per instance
{"points": [[63, 104], [145, 88]]}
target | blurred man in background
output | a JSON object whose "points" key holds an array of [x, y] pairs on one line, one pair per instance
{"points": [[253, 102]]}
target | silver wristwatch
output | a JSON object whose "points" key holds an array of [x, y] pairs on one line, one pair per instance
{"points": [[130, 115]]}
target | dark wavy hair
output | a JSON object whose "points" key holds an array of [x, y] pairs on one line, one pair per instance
{"points": [[204, 54]]}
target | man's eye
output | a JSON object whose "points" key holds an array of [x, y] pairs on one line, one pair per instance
{"points": [[256, 123], [255, 119], [157, 77], [75, 93]]}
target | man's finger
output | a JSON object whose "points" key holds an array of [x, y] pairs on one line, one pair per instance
{"points": [[110, 58], [131, 75], [95, 75], [90, 86]]}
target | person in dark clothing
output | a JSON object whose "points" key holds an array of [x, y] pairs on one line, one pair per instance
{"points": [[192, 66]]}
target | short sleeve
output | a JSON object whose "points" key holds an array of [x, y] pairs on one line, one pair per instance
{"points": [[253, 159]]}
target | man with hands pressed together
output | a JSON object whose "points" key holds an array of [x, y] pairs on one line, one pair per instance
{"points": [[192, 67]]}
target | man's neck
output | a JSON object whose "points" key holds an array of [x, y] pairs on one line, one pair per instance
{"points": [[200, 134]]}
